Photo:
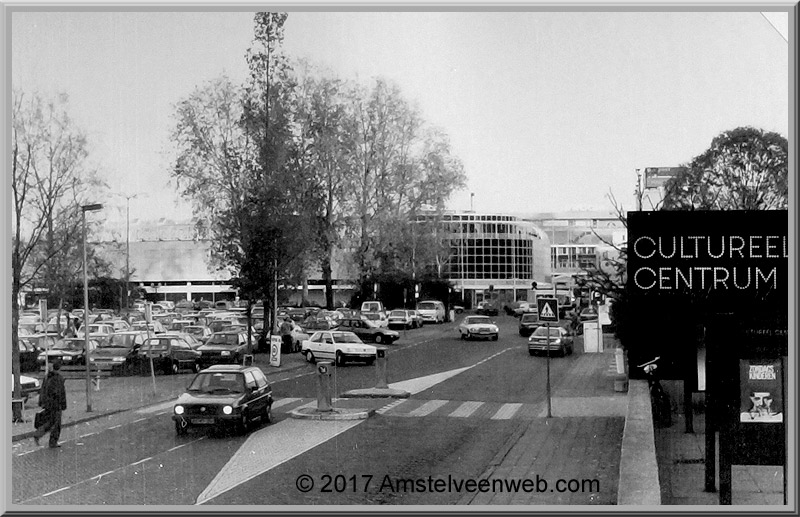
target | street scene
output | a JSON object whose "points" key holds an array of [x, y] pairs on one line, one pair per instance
{"points": [[329, 259]]}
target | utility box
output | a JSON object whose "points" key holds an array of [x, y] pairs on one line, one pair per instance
{"points": [[592, 337], [324, 401]]}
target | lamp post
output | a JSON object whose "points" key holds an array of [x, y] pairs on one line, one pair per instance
{"points": [[128, 247], [84, 209]]}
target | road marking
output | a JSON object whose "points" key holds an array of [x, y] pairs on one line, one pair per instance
{"points": [[466, 409], [115, 426], [85, 435], [258, 454], [27, 452], [390, 406], [428, 408], [141, 461], [506, 411], [97, 477], [140, 420], [55, 491]]}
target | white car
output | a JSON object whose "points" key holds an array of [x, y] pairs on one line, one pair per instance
{"points": [[400, 318], [339, 346], [432, 311], [475, 327]]}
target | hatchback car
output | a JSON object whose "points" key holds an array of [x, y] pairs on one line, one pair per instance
{"points": [[120, 352], [224, 347], [528, 323], [561, 341], [400, 318], [28, 386], [339, 346], [367, 330], [169, 354], [68, 351], [478, 327], [224, 396]]}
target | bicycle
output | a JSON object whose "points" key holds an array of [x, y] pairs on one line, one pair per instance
{"points": [[662, 407]]}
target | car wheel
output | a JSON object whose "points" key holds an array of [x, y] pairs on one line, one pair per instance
{"points": [[243, 424], [310, 357], [339, 359], [268, 414], [463, 336], [180, 430], [379, 338], [175, 368], [196, 367]]}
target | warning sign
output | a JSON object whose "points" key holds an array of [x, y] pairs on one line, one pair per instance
{"points": [[548, 309]]}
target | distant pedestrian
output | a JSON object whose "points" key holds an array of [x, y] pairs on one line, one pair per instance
{"points": [[53, 398], [286, 335]]}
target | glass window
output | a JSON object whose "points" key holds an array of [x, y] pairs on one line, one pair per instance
{"points": [[250, 380], [261, 380]]}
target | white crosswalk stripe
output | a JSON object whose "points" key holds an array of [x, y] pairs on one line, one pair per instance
{"points": [[506, 411], [428, 408], [466, 409]]}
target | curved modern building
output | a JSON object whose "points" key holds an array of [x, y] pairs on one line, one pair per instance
{"points": [[493, 252]]}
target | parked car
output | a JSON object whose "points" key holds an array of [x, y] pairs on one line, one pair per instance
{"points": [[120, 351], [561, 340], [155, 326], [28, 386], [313, 324], [432, 311], [417, 320], [200, 332], [339, 346], [400, 318], [372, 306], [224, 396], [28, 354], [475, 327], [68, 351], [119, 325], [170, 354], [224, 347], [529, 322], [298, 335], [366, 330], [102, 332], [377, 318], [179, 325], [487, 309]]}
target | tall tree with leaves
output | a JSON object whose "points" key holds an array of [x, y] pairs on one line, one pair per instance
{"points": [[744, 169], [49, 182]]}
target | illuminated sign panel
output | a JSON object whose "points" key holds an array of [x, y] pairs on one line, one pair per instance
{"points": [[723, 255]]}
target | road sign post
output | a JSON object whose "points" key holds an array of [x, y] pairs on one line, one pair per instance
{"points": [[548, 312]]}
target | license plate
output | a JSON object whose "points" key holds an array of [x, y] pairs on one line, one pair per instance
{"points": [[484, 331], [202, 420], [225, 353]]}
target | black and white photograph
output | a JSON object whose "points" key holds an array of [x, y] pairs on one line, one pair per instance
{"points": [[445, 258]]}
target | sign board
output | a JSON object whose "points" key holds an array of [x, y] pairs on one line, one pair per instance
{"points": [[761, 398], [655, 177], [43, 310], [548, 309], [275, 343]]}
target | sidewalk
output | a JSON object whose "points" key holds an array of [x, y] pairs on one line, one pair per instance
{"points": [[681, 462], [581, 443], [120, 394]]}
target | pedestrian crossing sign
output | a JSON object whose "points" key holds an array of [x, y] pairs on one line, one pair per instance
{"points": [[548, 309]]}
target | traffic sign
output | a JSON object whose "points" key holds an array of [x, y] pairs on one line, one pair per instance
{"points": [[548, 309]]}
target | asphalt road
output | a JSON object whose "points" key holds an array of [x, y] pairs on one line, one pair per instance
{"points": [[142, 462]]}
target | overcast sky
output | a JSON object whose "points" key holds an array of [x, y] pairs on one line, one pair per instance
{"points": [[547, 111]]}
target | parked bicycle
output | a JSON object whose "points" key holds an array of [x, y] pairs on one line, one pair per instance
{"points": [[662, 408]]}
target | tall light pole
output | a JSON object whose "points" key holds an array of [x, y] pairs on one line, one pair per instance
{"points": [[84, 209], [126, 298]]}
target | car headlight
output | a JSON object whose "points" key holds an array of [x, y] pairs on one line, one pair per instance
{"points": [[179, 410], [118, 359], [66, 358], [227, 410]]}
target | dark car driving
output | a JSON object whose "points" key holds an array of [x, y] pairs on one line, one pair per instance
{"points": [[224, 396], [366, 330]]}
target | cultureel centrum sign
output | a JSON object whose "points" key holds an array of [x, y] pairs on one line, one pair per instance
{"points": [[719, 253]]}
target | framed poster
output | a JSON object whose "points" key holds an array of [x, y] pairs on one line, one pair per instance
{"points": [[761, 398]]}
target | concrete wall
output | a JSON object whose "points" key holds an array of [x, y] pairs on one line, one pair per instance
{"points": [[638, 467]]}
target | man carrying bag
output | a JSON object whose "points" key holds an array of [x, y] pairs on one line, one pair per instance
{"points": [[53, 398]]}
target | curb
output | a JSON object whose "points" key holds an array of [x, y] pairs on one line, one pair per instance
{"points": [[336, 414], [638, 466], [376, 393]]}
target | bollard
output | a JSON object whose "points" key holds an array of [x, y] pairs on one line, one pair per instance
{"points": [[620, 358], [324, 386], [380, 365]]}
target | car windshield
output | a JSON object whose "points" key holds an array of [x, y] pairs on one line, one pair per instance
{"points": [[218, 382], [195, 331], [426, 306], [223, 340], [400, 314], [542, 331], [119, 341], [346, 337], [155, 344], [528, 318], [472, 320], [69, 344]]}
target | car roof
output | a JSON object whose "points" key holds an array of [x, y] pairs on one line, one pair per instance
{"points": [[229, 368]]}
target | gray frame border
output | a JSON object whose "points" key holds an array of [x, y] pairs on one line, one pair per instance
{"points": [[6, 14]]}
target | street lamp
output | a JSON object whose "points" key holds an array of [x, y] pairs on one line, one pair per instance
{"points": [[84, 209]]}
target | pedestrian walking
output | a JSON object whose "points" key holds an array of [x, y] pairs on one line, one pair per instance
{"points": [[53, 398], [286, 335]]}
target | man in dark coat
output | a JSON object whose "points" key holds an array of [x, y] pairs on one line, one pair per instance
{"points": [[286, 335], [53, 398]]}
